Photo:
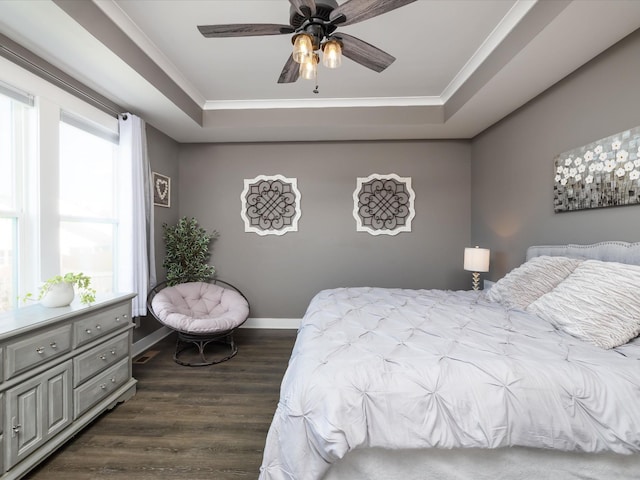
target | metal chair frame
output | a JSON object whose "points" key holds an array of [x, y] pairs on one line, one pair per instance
{"points": [[188, 340]]}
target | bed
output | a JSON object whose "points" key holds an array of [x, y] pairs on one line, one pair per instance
{"points": [[538, 377]]}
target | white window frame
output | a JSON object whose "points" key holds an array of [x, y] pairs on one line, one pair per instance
{"points": [[39, 218]]}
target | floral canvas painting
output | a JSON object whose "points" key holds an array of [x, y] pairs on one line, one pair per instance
{"points": [[605, 173]]}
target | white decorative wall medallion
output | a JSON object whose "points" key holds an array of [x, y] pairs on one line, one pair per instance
{"points": [[383, 204], [270, 205]]}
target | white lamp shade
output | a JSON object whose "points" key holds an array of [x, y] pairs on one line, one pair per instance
{"points": [[476, 259]]}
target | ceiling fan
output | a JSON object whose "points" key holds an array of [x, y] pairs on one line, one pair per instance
{"points": [[314, 24]]}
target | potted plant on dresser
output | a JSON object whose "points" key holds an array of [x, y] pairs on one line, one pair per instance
{"points": [[59, 290]]}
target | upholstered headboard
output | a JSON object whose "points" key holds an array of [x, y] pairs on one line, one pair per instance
{"points": [[622, 252]]}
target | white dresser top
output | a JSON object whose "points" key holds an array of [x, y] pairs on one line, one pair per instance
{"points": [[21, 320]]}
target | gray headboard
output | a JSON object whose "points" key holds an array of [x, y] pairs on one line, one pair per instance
{"points": [[622, 252]]}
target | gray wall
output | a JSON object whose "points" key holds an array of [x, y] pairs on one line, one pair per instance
{"points": [[163, 157], [280, 274], [512, 162]]}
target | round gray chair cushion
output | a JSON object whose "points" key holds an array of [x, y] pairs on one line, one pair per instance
{"points": [[200, 308]]}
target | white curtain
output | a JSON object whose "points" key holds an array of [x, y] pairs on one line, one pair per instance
{"points": [[136, 255]]}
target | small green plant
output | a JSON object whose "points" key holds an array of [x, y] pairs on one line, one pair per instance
{"points": [[187, 252], [79, 280]]}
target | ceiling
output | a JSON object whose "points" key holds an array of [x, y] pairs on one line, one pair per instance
{"points": [[461, 65]]}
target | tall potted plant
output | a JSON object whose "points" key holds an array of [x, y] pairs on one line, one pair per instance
{"points": [[187, 246]]}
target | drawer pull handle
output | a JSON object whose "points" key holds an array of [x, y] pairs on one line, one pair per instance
{"points": [[103, 357], [40, 350], [113, 352], [103, 386], [98, 327], [53, 345], [125, 315], [113, 380], [118, 319], [88, 330], [16, 428]]}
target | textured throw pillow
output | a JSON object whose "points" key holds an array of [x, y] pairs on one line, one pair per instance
{"points": [[599, 303], [531, 280]]}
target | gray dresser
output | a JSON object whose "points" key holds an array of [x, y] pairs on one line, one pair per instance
{"points": [[59, 369]]}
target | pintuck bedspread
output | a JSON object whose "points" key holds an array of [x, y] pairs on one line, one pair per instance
{"points": [[408, 369]]}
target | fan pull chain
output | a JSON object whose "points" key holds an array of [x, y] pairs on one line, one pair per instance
{"points": [[315, 90]]}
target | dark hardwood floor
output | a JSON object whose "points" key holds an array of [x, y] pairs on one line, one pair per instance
{"points": [[184, 423]]}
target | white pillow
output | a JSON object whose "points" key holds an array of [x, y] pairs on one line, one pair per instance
{"points": [[599, 303], [531, 280]]}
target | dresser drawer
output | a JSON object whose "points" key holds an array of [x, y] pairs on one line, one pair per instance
{"points": [[99, 358], [102, 322], [100, 387], [33, 350]]}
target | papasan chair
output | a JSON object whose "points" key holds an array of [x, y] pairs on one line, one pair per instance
{"points": [[201, 313]]}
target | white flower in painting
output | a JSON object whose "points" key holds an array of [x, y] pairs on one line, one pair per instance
{"points": [[634, 175], [616, 145], [559, 170], [565, 171], [589, 179], [577, 161], [578, 177], [573, 172], [567, 162], [582, 168], [598, 150], [636, 162], [621, 172], [628, 166], [609, 165], [603, 156], [599, 167], [593, 167], [558, 178], [622, 156], [563, 181], [588, 156]]}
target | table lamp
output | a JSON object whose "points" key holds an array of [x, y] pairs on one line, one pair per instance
{"points": [[476, 260]]}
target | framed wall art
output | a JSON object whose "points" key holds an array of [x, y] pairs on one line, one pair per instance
{"points": [[604, 173], [270, 205], [161, 190], [383, 204]]}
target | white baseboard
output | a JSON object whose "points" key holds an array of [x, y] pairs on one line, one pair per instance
{"points": [[277, 323], [150, 340]]}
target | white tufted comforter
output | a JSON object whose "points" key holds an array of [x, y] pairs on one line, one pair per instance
{"points": [[403, 369]]}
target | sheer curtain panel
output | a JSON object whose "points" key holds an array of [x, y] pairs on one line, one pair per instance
{"points": [[136, 269]]}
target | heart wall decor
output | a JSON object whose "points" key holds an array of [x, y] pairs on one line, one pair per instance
{"points": [[161, 190]]}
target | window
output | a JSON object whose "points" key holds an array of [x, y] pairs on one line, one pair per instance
{"points": [[87, 202], [58, 175], [16, 133]]}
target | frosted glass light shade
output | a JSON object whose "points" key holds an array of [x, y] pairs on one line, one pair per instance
{"points": [[476, 259], [332, 54], [302, 48], [309, 68]]}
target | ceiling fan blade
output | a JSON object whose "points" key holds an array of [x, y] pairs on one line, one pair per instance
{"points": [[364, 53], [244, 30], [290, 72], [353, 11], [306, 8]]}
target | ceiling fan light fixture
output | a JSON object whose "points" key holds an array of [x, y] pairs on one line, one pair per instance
{"points": [[302, 47], [309, 68], [332, 54]]}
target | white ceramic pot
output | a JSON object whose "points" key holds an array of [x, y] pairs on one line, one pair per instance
{"points": [[59, 295]]}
